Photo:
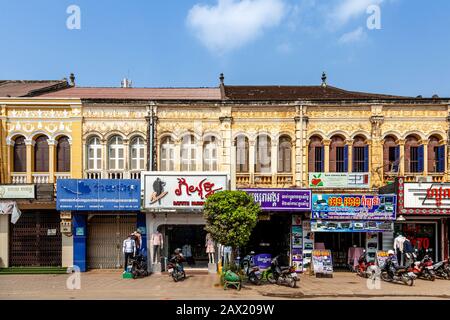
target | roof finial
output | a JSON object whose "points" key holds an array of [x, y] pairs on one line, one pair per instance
{"points": [[221, 78], [72, 80], [324, 79]]}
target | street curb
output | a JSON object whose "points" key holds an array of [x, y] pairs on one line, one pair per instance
{"points": [[302, 295]]}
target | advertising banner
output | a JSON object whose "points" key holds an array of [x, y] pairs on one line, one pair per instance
{"points": [[351, 226], [355, 207], [322, 262], [263, 260], [338, 180], [98, 195], [180, 190], [427, 195], [282, 199], [17, 191], [381, 258]]}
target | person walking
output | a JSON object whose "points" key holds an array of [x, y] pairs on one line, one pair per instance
{"points": [[129, 249]]}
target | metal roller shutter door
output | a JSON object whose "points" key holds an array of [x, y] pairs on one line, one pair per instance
{"points": [[105, 237]]}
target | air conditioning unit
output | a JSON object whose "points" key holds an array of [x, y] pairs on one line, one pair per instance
{"points": [[424, 179]]}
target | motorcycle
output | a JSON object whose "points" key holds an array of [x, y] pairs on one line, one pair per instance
{"points": [[392, 273], [365, 268], [175, 270], [282, 275], [253, 273], [442, 269], [424, 269]]}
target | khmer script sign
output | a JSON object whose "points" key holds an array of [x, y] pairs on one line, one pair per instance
{"points": [[282, 199]]}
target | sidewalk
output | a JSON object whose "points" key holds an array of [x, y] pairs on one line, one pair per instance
{"points": [[110, 285]]}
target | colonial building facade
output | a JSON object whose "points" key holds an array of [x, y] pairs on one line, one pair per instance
{"points": [[265, 137]]}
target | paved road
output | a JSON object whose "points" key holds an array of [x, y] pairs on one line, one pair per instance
{"points": [[110, 285]]}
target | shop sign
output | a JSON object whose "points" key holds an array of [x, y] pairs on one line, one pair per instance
{"points": [[181, 190], [79, 231], [338, 180], [98, 195], [381, 258], [351, 226], [427, 195], [263, 260], [354, 207], [19, 191], [282, 199], [322, 262]]}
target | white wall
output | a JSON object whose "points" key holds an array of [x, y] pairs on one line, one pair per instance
{"points": [[4, 240], [67, 251]]}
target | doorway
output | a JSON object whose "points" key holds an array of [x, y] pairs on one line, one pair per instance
{"points": [[191, 239]]}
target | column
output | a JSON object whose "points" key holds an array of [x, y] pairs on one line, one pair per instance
{"points": [[298, 158], [233, 166], [51, 160], [177, 156], [349, 144], [401, 165], [274, 161], [4, 240], [227, 158], [9, 160], [326, 156], [251, 160], [104, 174], [425, 157], [199, 155], [126, 160], [30, 159], [79, 232]]}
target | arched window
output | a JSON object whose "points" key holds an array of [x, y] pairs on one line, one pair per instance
{"points": [[284, 154], [116, 153], [338, 155], [167, 153], [436, 155], [413, 154], [242, 154], [263, 154], [360, 155], [210, 154], [316, 155], [137, 159], [20, 155], [63, 155], [94, 153], [391, 154], [41, 154], [188, 153]]}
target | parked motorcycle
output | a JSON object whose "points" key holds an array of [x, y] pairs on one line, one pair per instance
{"points": [[392, 273], [254, 275], [365, 268], [282, 275], [424, 269], [442, 269]]}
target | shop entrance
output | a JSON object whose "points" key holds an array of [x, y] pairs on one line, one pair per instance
{"points": [[191, 239], [105, 239], [36, 240], [339, 243]]}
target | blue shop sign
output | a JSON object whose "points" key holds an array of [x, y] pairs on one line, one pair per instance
{"points": [[98, 195]]}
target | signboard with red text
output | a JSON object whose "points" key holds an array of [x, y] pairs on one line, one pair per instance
{"points": [[427, 195], [180, 190]]}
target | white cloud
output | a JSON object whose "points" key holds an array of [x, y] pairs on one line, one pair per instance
{"points": [[349, 9], [353, 36], [231, 24]]}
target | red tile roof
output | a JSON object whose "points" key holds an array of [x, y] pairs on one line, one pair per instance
{"points": [[137, 93], [29, 88], [287, 93]]}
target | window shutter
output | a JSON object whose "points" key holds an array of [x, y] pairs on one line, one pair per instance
{"points": [[322, 159], [397, 159], [346, 158], [441, 158], [420, 158], [366, 158]]}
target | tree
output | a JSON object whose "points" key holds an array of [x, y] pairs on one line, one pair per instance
{"points": [[230, 217]]}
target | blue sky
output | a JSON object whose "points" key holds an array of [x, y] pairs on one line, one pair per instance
{"points": [[189, 42]]}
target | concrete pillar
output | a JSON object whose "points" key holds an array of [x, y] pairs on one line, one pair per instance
{"points": [[425, 158], [251, 160], [177, 155], [30, 159], [350, 155], [4, 240], [326, 156], [67, 251], [401, 165], [126, 156], [227, 158], [104, 159], [274, 161]]}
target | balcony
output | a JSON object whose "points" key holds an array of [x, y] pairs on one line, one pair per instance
{"points": [[37, 177], [264, 180], [18, 178]]}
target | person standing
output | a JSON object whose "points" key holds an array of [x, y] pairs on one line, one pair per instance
{"points": [[129, 249]]}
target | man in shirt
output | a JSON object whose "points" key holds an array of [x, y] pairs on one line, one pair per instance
{"points": [[129, 249]]}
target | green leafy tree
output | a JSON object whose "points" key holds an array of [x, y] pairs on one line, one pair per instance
{"points": [[230, 217]]}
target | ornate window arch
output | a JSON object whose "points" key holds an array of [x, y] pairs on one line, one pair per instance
{"points": [[63, 154], [19, 155], [116, 153], [167, 154], [210, 151], [188, 153], [242, 154], [316, 154], [137, 153], [263, 154], [41, 155], [436, 155], [338, 154], [285, 154]]}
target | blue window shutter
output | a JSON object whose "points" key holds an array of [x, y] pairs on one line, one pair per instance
{"points": [[366, 158], [322, 160], [440, 156], [345, 158], [397, 159], [420, 158]]}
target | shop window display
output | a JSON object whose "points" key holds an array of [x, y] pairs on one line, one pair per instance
{"points": [[422, 237]]}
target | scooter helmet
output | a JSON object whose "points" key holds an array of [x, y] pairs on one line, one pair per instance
{"points": [[391, 252]]}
